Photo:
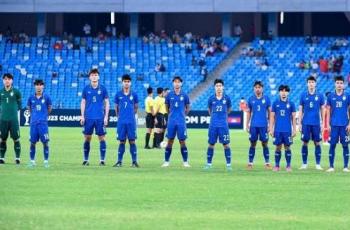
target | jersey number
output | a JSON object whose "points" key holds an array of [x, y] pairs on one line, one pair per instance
{"points": [[258, 108], [176, 104], [311, 104], [282, 112], [218, 108], [38, 107], [338, 104]]}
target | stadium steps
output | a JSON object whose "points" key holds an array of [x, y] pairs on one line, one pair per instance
{"points": [[219, 71]]}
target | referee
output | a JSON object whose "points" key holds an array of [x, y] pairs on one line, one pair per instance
{"points": [[150, 116]]}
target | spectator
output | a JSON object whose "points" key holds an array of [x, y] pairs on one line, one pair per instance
{"points": [[193, 61], [188, 47], [87, 29], [237, 30], [160, 68], [201, 62], [338, 64], [204, 73], [323, 65], [58, 45]]}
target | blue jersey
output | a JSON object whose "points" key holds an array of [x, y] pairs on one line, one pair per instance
{"points": [[218, 110], [259, 108], [94, 107], [283, 115], [177, 104], [339, 105], [39, 108], [126, 106], [312, 104]]}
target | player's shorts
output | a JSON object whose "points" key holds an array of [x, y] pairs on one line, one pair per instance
{"points": [[126, 131], [258, 133], [11, 127], [221, 133], [160, 121], [312, 132], [338, 133], [174, 129], [282, 138], [149, 121], [94, 124], [39, 131]]}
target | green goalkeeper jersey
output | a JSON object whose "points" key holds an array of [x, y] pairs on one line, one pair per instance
{"points": [[10, 103]]}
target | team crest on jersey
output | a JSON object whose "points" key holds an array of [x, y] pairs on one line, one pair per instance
{"points": [[288, 106], [263, 101], [131, 97], [316, 98], [11, 94], [224, 102], [181, 98], [344, 98], [43, 101], [99, 92]]}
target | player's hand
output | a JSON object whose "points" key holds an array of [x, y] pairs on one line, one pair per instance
{"points": [[105, 121], [271, 132], [248, 128], [300, 128], [155, 121], [348, 129], [82, 120], [294, 133]]}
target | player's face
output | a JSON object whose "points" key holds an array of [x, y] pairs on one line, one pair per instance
{"points": [[7, 82], [219, 88], [94, 77], [311, 85], [39, 88], [339, 85], [177, 84], [258, 90], [126, 84], [284, 94]]}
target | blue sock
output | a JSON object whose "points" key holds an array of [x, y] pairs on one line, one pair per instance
{"points": [[133, 152], [210, 154], [184, 153], [251, 154], [103, 147], [288, 155], [346, 155], [228, 156], [266, 154], [167, 154], [32, 152], [304, 153], [46, 151], [86, 150], [318, 154], [277, 158], [331, 155], [121, 150]]}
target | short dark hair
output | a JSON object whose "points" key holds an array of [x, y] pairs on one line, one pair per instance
{"points": [[284, 87], [126, 77], [38, 82], [93, 71], [339, 78], [258, 83], [311, 78], [177, 78], [159, 90], [149, 90], [218, 81], [166, 89], [7, 75]]}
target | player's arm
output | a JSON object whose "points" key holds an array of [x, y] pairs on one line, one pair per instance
{"points": [[323, 117], [187, 108], [272, 123], [107, 107], [268, 118], [82, 111], [294, 124], [348, 126], [136, 107], [116, 108], [300, 115], [247, 122]]}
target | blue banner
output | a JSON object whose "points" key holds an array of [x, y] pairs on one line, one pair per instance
{"points": [[71, 118]]}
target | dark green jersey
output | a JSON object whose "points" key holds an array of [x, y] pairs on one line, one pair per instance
{"points": [[10, 103]]}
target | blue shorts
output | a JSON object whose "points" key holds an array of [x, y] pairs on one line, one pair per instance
{"points": [[312, 132], [126, 131], [223, 133], [282, 138], [260, 133], [338, 133], [176, 129], [39, 131], [94, 124]]}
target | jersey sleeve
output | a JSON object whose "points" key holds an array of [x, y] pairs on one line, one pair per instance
{"points": [[116, 99], [19, 99], [268, 102], [273, 108], [250, 106], [29, 103], [48, 101], [209, 103], [105, 92], [301, 101], [322, 100], [329, 100], [84, 94], [187, 100], [136, 98], [167, 100], [292, 107], [229, 104]]}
